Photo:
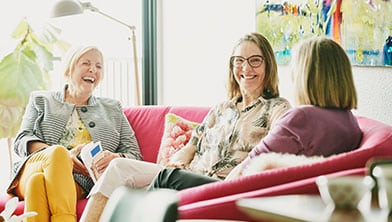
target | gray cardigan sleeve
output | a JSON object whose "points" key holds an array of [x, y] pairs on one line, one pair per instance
{"points": [[26, 132]]}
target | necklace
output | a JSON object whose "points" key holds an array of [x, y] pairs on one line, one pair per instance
{"points": [[246, 109]]}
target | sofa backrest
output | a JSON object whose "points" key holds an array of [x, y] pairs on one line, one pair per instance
{"points": [[148, 122]]}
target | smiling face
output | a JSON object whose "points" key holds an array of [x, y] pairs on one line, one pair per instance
{"points": [[86, 74], [250, 79]]}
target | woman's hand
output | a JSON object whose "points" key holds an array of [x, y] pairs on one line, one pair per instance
{"points": [[182, 157], [103, 163], [78, 166], [235, 173], [35, 146], [176, 164]]}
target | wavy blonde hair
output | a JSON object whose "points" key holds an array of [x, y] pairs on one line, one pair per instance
{"points": [[322, 75]]}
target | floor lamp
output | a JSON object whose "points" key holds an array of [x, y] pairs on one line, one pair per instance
{"points": [[73, 7]]}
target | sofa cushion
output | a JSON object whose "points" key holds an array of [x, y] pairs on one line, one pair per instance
{"points": [[176, 135], [148, 124]]}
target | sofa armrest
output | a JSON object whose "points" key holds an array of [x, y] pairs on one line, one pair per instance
{"points": [[225, 207], [376, 142], [268, 178]]}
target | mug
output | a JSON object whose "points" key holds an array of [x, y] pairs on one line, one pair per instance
{"points": [[345, 192], [383, 174]]}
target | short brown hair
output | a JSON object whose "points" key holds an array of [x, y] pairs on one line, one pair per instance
{"points": [[322, 74]]}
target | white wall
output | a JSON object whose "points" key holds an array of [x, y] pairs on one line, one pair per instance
{"points": [[195, 41]]}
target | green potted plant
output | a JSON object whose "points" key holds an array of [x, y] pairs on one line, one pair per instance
{"points": [[24, 70]]}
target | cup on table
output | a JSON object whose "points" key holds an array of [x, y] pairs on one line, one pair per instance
{"points": [[345, 192], [383, 174]]}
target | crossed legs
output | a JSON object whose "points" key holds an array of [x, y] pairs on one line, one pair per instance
{"points": [[46, 184], [121, 171]]}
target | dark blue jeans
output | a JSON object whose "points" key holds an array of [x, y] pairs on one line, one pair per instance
{"points": [[179, 179]]}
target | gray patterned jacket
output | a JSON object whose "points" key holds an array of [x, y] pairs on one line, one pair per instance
{"points": [[47, 113]]}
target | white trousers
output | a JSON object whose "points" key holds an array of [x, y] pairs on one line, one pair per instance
{"points": [[128, 172]]}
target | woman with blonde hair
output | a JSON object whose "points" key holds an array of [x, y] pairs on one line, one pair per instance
{"points": [[55, 127]]}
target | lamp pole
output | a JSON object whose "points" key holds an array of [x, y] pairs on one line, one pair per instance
{"points": [[136, 70], [70, 7], [88, 5]]}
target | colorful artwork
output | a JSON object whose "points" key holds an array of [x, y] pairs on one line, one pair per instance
{"points": [[362, 27]]}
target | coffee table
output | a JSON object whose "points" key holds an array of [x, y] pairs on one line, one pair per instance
{"points": [[288, 208]]}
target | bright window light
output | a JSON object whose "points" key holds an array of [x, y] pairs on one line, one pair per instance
{"points": [[88, 28]]}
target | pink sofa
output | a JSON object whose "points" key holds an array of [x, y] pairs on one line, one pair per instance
{"points": [[217, 200]]}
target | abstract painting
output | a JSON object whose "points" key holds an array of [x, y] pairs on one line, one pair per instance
{"points": [[362, 27]]}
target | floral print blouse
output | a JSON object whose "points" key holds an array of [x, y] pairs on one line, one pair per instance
{"points": [[75, 132], [227, 134]]}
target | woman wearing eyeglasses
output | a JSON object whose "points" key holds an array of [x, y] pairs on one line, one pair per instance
{"points": [[321, 125], [225, 137]]}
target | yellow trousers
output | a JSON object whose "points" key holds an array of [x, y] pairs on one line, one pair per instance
{"points": [[47, 186]]}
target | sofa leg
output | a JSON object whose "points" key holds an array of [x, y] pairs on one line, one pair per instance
{"points": [[94, 207]]}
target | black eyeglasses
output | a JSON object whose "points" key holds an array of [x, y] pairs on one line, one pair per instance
{"points": [[254, 61]]}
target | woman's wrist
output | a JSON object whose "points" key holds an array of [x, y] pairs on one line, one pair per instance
{"points": [[35, 146]]}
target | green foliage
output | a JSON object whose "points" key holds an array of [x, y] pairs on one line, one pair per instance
{"points": [[24, 70]]}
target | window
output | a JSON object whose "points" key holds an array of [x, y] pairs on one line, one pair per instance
{"points": [[93, 28], [114, 39]]}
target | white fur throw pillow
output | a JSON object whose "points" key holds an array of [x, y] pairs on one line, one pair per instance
{"points": [[267, 161]]}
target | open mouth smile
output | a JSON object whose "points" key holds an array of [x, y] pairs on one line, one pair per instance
{"points": [[248, 77], [89, 79]]}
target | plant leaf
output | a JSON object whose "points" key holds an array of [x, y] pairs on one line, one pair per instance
{"points": [[44, 56], [19, 75], [20, 30], [24, 70]]}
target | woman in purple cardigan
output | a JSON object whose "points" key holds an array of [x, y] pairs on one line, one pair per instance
{"points": [[322, 124]]}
